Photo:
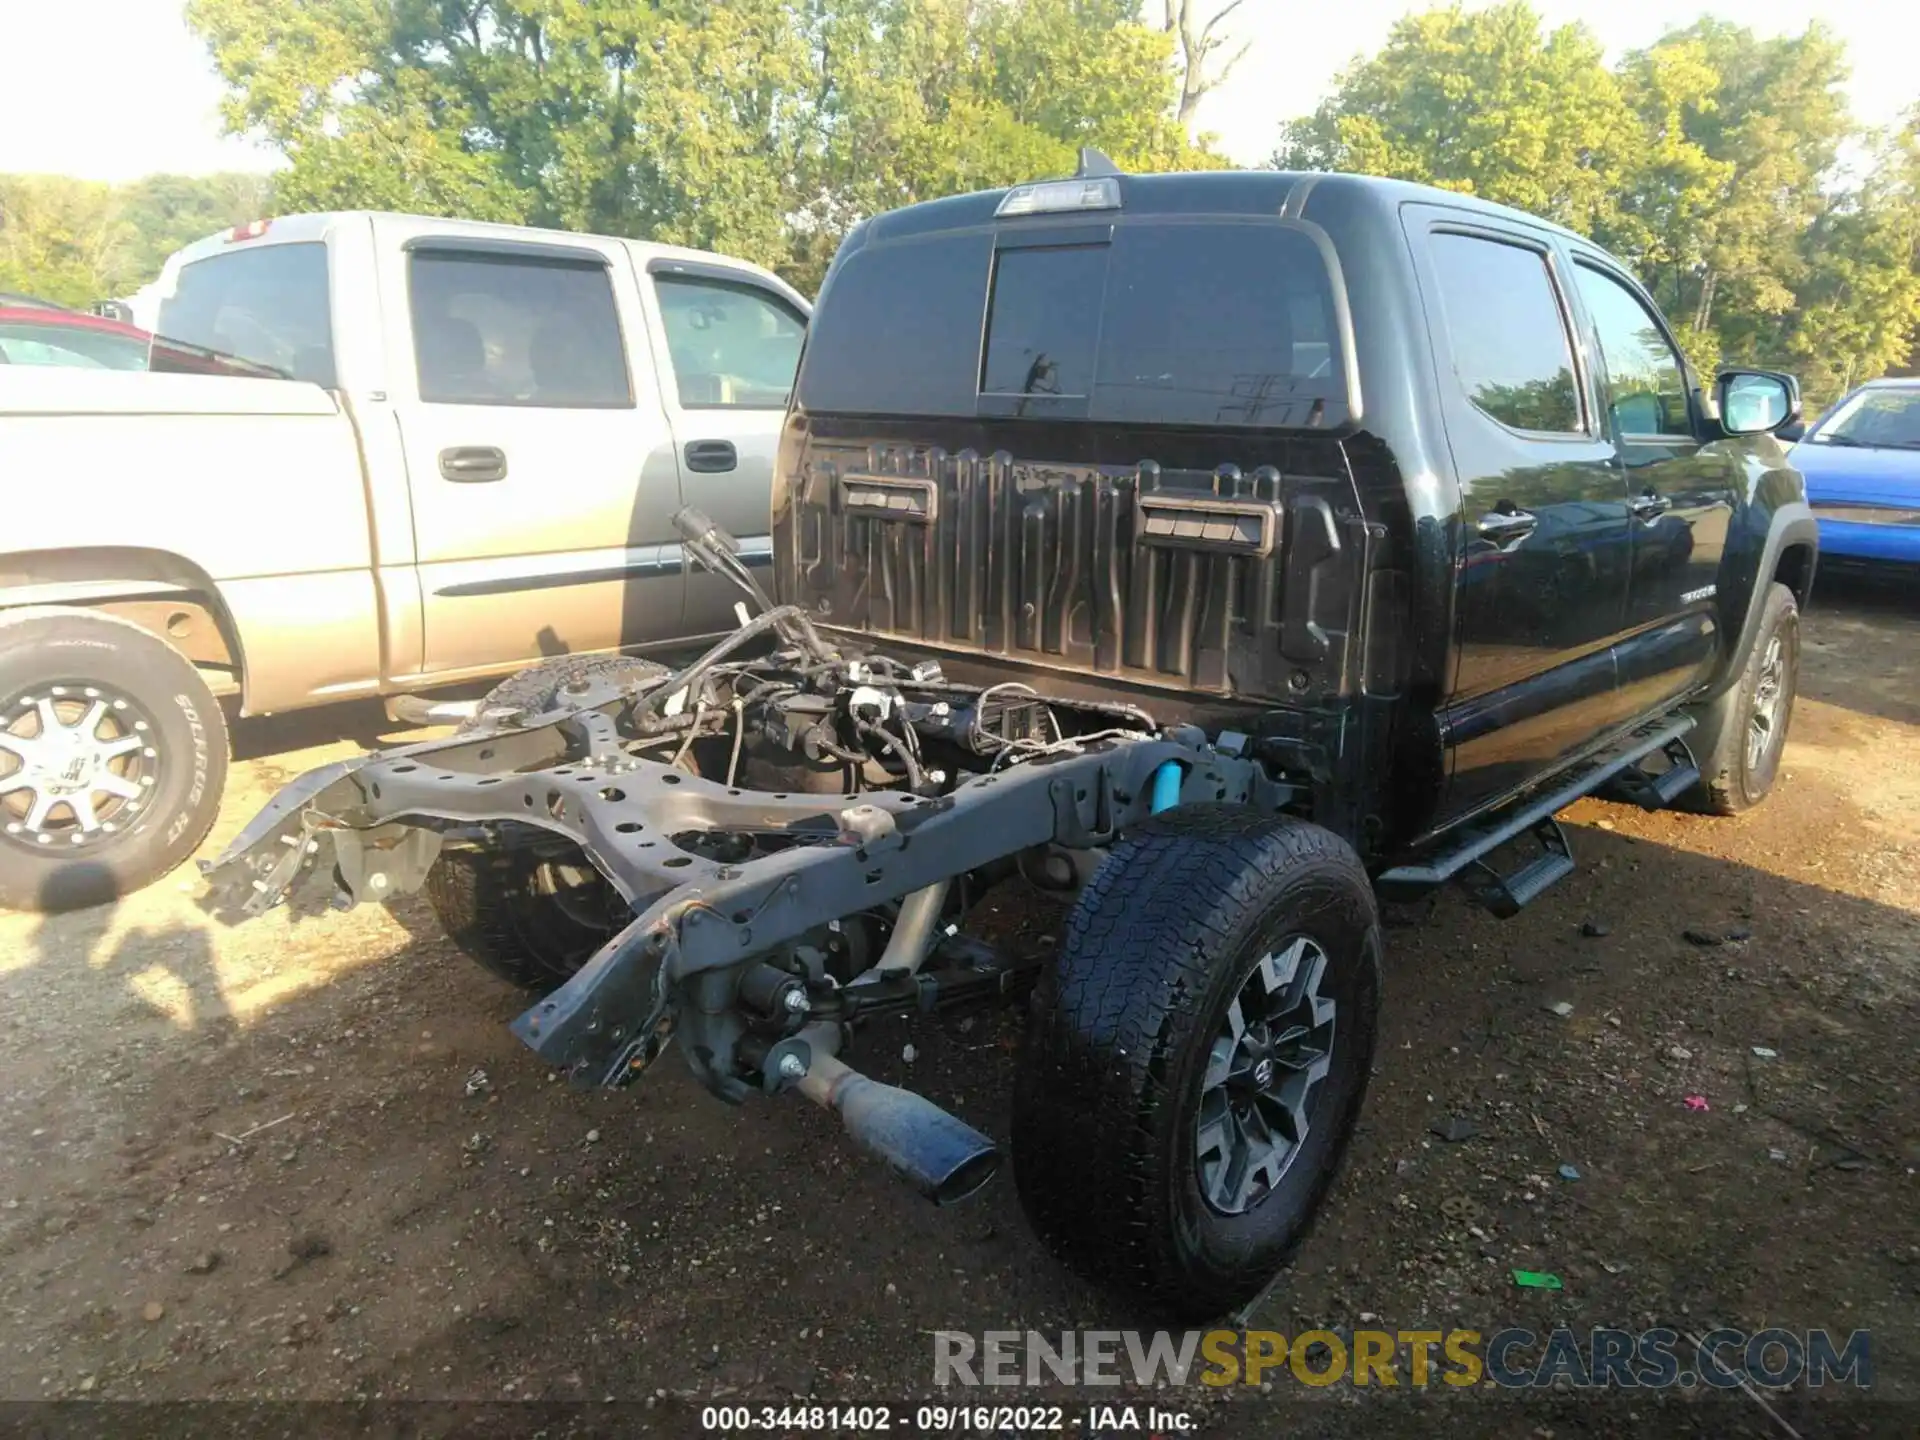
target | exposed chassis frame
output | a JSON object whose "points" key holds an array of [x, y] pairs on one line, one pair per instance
{"points": [[375, 825]]}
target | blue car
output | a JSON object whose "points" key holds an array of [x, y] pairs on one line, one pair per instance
{"points": [[1862, 463]]}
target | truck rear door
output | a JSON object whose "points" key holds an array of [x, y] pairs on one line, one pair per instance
{"points": [[1546, 550], [541, 469], [727, 345]]}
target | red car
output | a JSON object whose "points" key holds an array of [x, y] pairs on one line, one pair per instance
{"points": [[38, 332]]}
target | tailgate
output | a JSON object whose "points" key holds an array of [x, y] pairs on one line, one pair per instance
{"points": [[1226, 579]]}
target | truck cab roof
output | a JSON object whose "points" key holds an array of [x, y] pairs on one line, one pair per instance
{"points": [[321, 226], [1205, 192]]}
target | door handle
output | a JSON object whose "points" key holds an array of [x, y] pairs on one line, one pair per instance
{"points": [[1647, 506], [473, 464], [1507, 524], [711, 457]]}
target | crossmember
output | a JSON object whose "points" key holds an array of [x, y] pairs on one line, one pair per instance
{"points": [[370, 829]]}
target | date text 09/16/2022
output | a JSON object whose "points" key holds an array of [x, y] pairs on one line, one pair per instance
{"points": [[945, 1419]]}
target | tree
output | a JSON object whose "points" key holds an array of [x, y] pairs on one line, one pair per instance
{"points": [[165, 212], [60, 239], [1483, 102], [1858, 312], [1763, 127], [762, 128], [75, 241], [1206, 56], [1709, 160]]}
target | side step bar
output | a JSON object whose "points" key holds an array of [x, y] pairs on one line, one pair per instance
{"points": [[1656, 791], [1504, 895], [1507, 895]]}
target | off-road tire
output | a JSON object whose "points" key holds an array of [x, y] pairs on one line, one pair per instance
{"points": [[42, 647], [1108, 1092], [498, 907], [1730, 780]]}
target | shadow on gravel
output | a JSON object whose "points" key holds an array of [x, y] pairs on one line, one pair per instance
{"points": [[437, 1218], [358, 722], [369, 1189]]}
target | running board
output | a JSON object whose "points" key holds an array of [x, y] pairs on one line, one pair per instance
{"points": [[1505, 895], [1656, 791]]}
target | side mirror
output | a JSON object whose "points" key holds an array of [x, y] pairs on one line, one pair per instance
{"points": [[1753, 402]]}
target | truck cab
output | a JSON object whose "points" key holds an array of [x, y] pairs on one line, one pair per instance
{"points": [[1416, 489], [429, 451], [532, 407]]}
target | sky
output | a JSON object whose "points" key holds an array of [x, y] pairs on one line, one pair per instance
{"points": [[124, 89]]}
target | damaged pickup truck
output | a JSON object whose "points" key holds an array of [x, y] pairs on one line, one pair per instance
{"points": [[1229, 550]]}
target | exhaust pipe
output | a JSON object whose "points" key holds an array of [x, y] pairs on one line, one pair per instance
{"points": [[941, 1156]]}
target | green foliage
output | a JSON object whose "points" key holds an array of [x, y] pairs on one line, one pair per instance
{"points": [[762, 128], [76, 241], [58, 238], [1711, 160], [1483, 102]]}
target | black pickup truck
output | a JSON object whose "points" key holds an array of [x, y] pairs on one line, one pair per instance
{"points": [[1226, 550]]}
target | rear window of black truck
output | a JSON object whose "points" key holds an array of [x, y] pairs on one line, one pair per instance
{"points": [[1158, 321]]}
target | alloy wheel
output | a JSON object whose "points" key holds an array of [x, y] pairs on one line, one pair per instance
{"points": [[78, 763], [1272, 1051]]}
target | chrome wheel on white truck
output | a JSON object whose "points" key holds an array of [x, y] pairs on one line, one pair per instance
{"points": [[113, 752]]}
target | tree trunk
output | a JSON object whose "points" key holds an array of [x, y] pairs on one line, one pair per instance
{"points": [[1198, 42]]}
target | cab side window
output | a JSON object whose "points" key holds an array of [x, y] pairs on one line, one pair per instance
{"points": [[1646, 381], [1508, 332], [510, 330], [734, 346]]}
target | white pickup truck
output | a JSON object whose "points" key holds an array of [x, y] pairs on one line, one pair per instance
{"points": [[472, 463]]}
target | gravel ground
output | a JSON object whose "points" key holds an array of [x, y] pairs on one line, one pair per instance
{"points": [[305, 1160]]}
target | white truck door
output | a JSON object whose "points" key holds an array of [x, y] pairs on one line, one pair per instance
{"points": [[541, 469], [731, 342]]}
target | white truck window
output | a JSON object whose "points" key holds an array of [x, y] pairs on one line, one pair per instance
{"points": [[734, 347], [267, 305], [509, 330]]}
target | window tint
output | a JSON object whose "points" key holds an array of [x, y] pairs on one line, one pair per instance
{"points": [[1507, 333], [1647, 385], [1170, 323], [733, 346], [267, 305], [1045, 321], [516, 330], [1227, 324], [71, 346], [897, 329]]}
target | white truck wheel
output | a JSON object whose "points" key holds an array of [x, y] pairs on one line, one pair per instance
{"points": [[113, 754]]}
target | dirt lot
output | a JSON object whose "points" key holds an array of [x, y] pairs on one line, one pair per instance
{"points": [[383, 1225]]}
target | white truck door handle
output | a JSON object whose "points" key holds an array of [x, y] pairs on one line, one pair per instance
{"points": [[473, 464]]}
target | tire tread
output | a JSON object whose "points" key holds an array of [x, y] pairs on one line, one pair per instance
{"points": [[1133, 973]]}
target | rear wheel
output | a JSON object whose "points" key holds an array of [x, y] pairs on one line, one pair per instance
{"points": [[1744, 732], [113, 754], [530, 920], [532, 917], [1197, 1056]]}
